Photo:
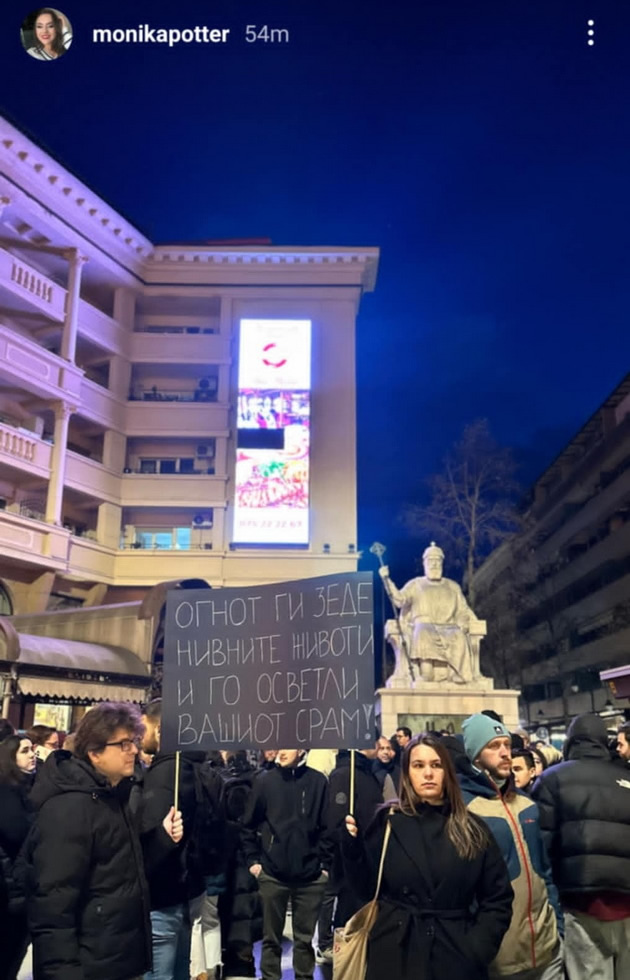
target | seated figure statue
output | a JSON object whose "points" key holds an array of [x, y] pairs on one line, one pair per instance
{"points": [[436, 620]]}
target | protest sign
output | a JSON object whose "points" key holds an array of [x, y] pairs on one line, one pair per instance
{"points": [[275, 666]]}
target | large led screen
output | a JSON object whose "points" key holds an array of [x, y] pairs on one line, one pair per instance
{"points": [[273, 444]]}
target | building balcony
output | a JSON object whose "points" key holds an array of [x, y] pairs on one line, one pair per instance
{"points": [[32, 542], [196, 419], [150, 566], [24, 288], [25, 365], [181, 348], [102, 329], [173, 490], [24, 451], [92, 478], [101, 406]]}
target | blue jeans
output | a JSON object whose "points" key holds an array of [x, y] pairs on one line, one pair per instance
{"points": [[170, 936]]}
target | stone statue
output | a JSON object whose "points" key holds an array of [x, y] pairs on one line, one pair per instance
{"points": [[436, 624]]}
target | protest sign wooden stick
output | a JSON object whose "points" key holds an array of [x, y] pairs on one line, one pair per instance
{"points": [[352, 762], [177, 760]]}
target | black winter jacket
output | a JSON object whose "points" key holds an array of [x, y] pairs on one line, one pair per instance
{"points": [[584, 808], [288, 807], [15, 820], [89, 904], [239, 907], [440, 917], [177, 878]]}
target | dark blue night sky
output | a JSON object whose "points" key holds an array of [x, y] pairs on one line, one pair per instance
{"points": [[483, 146]]}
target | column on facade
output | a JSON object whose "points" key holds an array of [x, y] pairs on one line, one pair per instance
{"points": [[54, 499], [114, 450], [73, 300], [108, 525], [218, 528], [223, 390]]}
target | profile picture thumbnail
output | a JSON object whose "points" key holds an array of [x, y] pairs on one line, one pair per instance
{"points": [[46, 34]]}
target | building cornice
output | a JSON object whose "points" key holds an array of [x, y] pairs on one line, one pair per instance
{"points": [[359, 262], [29, 170], [32, 169]]}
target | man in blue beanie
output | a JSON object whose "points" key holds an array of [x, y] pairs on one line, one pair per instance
{"points": [[531, 948]]}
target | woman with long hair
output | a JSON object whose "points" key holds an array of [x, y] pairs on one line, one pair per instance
{"points": [[445, 900], [51, 37], [17, 768]]}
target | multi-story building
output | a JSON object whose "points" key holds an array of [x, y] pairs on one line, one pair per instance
{"points": [[166, 411], [564, 582]]}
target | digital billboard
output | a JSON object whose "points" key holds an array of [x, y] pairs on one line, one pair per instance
{"points": [[271, 503]]}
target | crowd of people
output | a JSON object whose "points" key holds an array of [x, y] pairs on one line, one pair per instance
{"points": [[500, 858]]}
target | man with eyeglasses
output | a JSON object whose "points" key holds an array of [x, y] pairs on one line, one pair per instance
{"points": [[89, 903]]}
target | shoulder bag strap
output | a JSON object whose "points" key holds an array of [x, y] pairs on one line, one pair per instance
{"points": [[388, 830]]}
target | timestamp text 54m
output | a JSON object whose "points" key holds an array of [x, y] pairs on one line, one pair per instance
{"points": [[266, 34]]}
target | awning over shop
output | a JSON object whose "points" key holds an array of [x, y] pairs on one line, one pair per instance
{"points": [[52, 667], [618, 680]]}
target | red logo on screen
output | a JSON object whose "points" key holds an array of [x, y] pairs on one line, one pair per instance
{"points": [[275, 364]]}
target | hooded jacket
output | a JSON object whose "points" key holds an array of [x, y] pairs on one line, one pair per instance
{"points": [[15, 820], [288, 808], [536, 914], [89, 905], [585, 813]]}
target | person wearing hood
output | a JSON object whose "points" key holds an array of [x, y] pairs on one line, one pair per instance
{"points": [[17, 771], [88, 903], [445, 899], [531, 948], [285, 847], [177, 888], [585, 818]]}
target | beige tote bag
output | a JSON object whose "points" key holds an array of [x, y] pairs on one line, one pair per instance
{"points": [[350, 945]]}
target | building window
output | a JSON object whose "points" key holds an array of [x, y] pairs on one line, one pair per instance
{"points": [[187, 465], [168, 466], [148, 465], [6, 606]]}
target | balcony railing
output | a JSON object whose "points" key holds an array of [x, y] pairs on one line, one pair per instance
{"points": [[29, 284]]}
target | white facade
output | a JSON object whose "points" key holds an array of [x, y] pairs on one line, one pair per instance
{"points": [[114, 474]]}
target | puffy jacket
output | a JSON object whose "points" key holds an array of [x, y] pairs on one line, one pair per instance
{"points": [[288, 807], [585, 813], [89, 904], [15, 820], [536, 914]]}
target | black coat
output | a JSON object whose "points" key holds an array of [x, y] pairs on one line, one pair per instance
{"points": [[176, 879], [288, 809], [88, 905], [584, 808], [440, 917], [239, 907], [15, 820], [368, 796]]}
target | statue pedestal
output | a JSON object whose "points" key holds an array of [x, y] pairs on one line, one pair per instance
{"points": [[434, 705]]}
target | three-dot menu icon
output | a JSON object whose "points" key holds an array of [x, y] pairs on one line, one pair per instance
{"points": [[590, 32]]}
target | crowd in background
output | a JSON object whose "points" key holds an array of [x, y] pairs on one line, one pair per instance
{"points": [[501, 857]]}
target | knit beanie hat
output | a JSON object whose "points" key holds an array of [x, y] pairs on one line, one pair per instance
{"points": [[478, 731]]}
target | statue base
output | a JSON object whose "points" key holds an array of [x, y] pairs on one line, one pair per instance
{"points": [[437, 706]]}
